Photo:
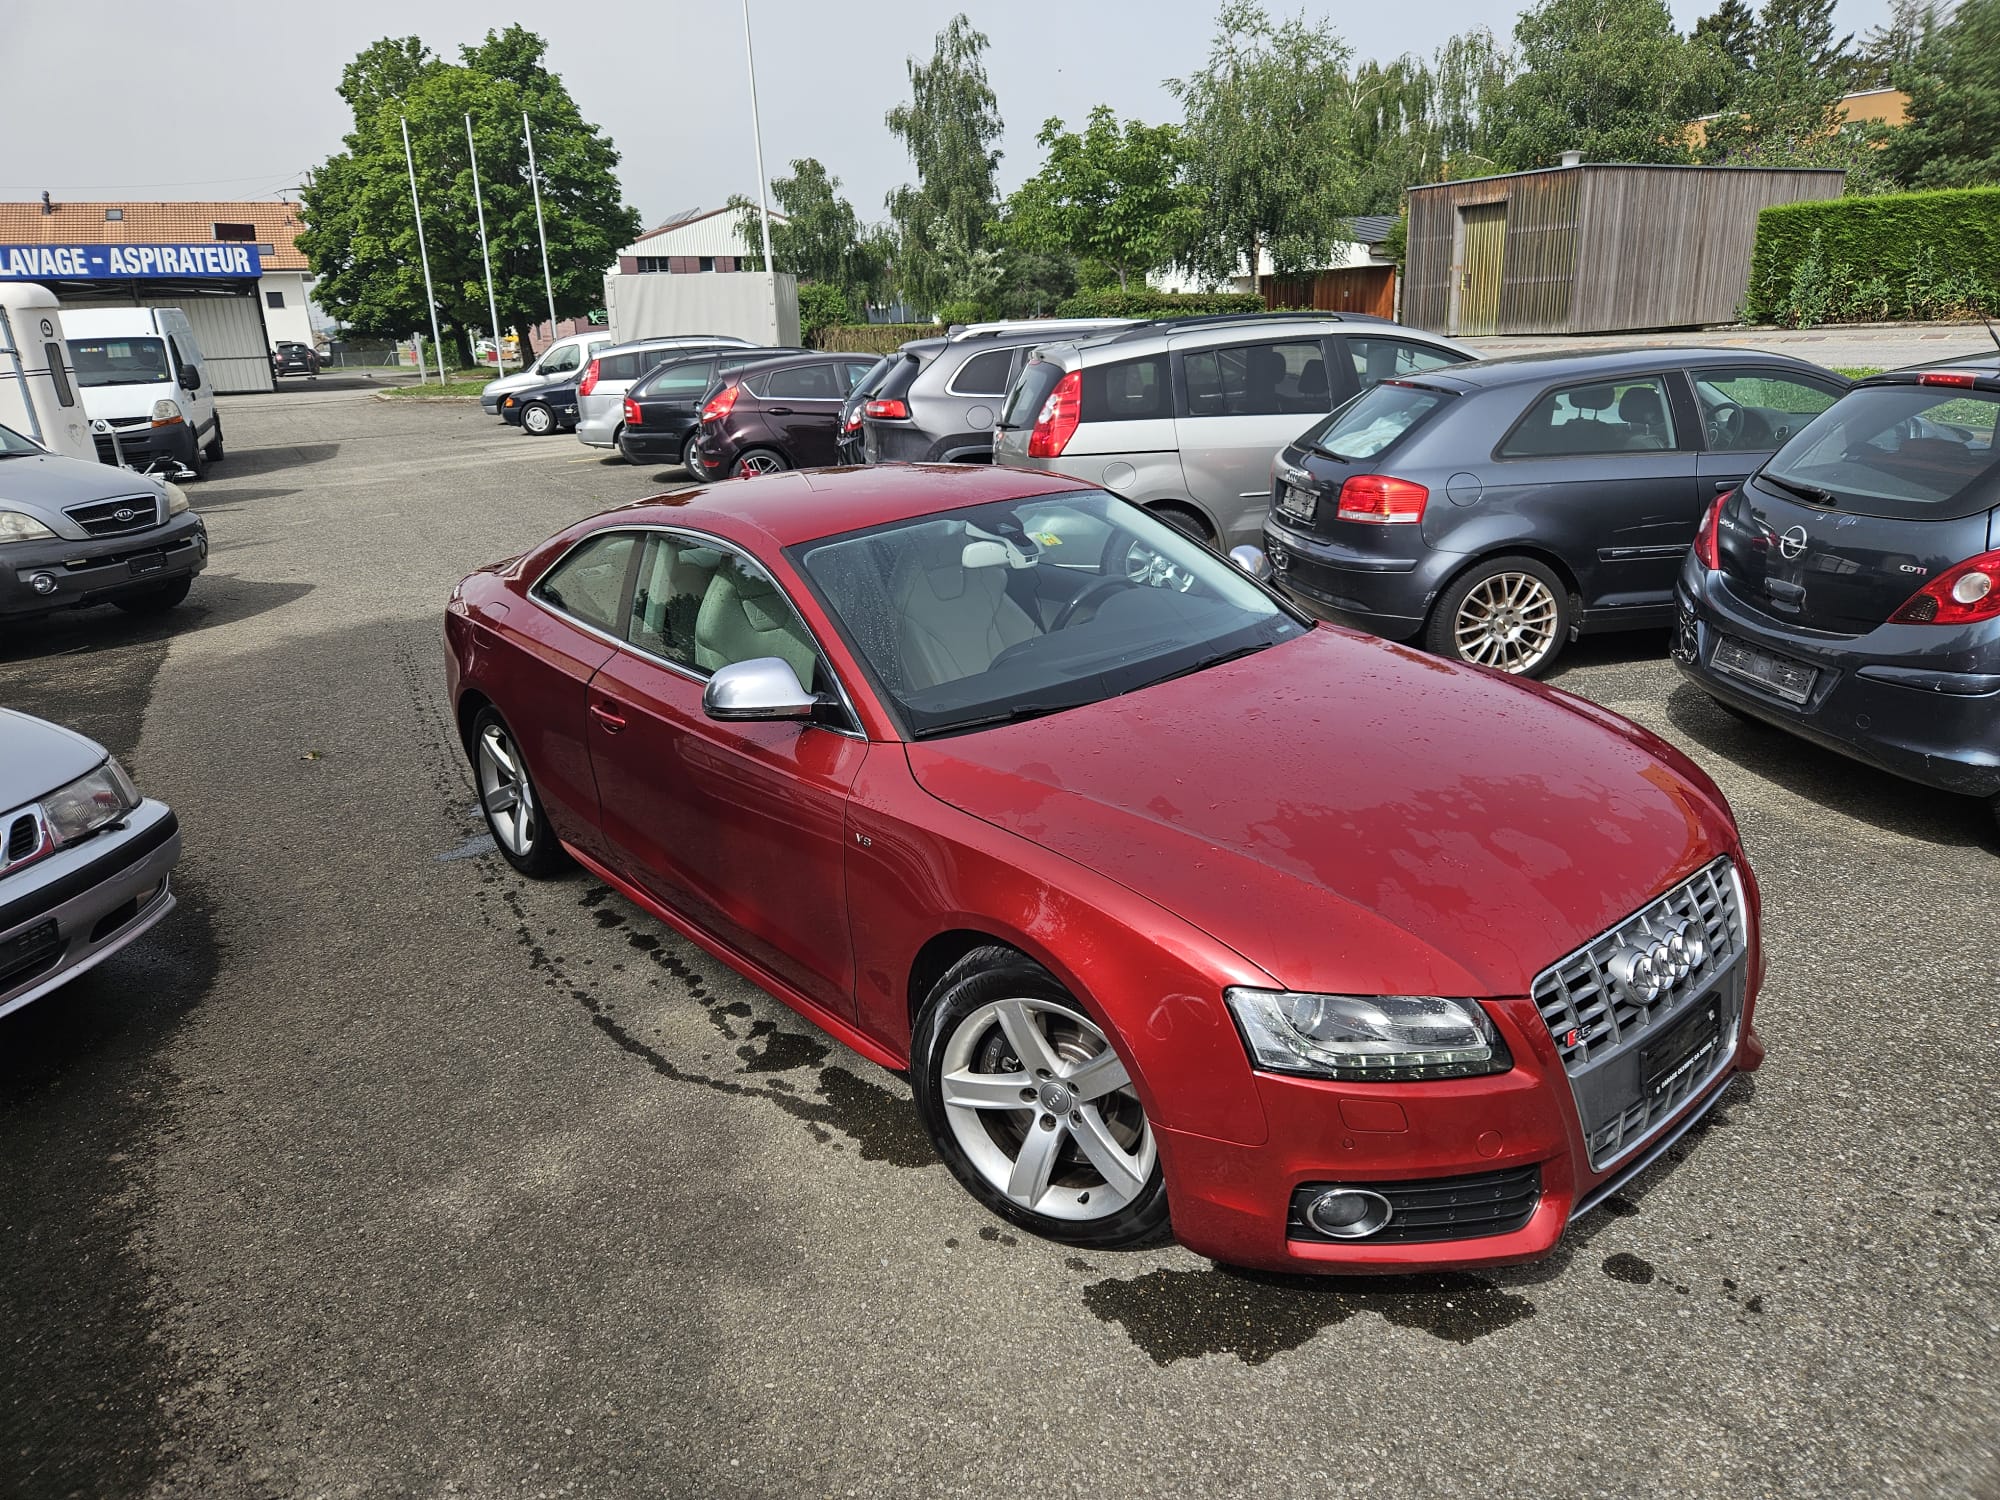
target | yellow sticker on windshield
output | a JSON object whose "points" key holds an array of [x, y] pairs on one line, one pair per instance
{"points": [[1046, 538]]}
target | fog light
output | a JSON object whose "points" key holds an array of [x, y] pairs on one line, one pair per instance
{"points": [[1348, 1213], [42, 583]]}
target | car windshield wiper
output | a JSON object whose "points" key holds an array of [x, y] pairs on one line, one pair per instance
{"points": [[1206, 662], [1811, 492], [1339, 458], [1019, 713]]}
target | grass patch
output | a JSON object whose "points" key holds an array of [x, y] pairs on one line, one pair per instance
{"points": [[450, 388], [1855, 372]]}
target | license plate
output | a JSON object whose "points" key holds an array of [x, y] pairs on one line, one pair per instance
{"points": [[1780, 675], [151, 564], [23, 952], [1296, 503], [1683, 1057]]}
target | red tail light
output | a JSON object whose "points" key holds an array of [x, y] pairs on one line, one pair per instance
{"points": [[721, 404], [1056, 424], [1963, 595], [887, 411], [1708, 540], [1939, 377], [853, 423], [1382, 500], [633, 416], [589, 382]]}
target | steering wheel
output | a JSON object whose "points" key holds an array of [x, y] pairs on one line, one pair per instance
{"points": [[1093, 595], [1725, 425]]}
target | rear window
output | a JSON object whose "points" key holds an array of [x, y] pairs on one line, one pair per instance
{"points": [[629, 366], [1374, 421], [1133, 390], [1919, 451], [1031, 390]]}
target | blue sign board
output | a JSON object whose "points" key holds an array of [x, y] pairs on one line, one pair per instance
{"points": [[128, 262]]}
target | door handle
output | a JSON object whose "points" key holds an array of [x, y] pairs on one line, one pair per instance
{"points": [[1722, 485], [612, 722], [779, 411]]}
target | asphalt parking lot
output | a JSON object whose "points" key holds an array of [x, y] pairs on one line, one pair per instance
{"points": [[377, 1170]]}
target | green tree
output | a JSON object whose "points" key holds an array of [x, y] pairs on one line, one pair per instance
{"points": [[1610, 78], [944, 224], [1392, 132], [1895, 43], [1953, 135], [1730, 29], [361, 237], [1267, 143], [1113, 194], [1470, 74], [820, 239], [1788, 101]]}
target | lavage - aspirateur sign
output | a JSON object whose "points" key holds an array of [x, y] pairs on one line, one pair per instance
{"points": [[127, 262]]}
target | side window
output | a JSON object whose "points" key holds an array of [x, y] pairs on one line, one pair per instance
{"points": [[181, 353], [682, 382], [706, 607], [851, 375], [1377, 360], [803, 383], [1609, 416], [1132, 390], [1254, 380], [985, 374], [58, 374], [674, 575], [560, 361], [1747, 411], [589, 583]]}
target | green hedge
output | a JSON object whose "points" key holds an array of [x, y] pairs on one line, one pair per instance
{"points": [[1900, 255], [869, 338], [1144, 302]]}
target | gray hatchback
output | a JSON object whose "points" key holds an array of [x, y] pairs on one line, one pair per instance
{"points": [[84, 858]]}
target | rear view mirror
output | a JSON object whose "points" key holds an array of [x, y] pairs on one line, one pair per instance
{"points": [[765, 687], [1251, 560], [190, 378]]}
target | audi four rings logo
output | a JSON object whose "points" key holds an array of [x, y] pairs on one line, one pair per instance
{"points": [[1648, 968], [1792, 543]]}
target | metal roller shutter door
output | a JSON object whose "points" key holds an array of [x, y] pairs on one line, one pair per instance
{"points": [[230, 331]]}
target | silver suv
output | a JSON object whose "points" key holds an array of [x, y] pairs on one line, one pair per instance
{"points": [[1183, 415], [937, 402]]}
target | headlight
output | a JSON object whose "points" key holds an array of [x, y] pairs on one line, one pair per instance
{"points": [[1368, 1038], [177, 500], [15, 526], [166, 412], [89, 802]]}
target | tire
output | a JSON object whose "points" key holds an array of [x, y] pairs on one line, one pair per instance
{"points": [[1508, 613], [537, 420], [509, 802], [758, 461], [156, 601], [1182, 519], [215, 443], [1091, 1174], [197, 461]]}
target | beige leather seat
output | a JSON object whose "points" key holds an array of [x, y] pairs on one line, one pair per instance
{"points": [[743, 616], [667, 603], [951, 620]]}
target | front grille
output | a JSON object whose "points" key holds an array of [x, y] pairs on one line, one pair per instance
{"points": [[1590, 1014], [128, 513], [23, 838], [1434, 1208]]}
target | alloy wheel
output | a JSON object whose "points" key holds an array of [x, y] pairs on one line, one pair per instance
{"points": [[505, 793], [1508, 621], [1045, 1110], [759, 463]]}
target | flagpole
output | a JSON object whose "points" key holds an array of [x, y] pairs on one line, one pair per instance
{"points": [[757, 137], [535, 181], [479, 206], [437, 338]]}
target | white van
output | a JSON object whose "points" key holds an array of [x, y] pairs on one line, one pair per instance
{"points": [[38, 394], [564, 357], [149, 399]]}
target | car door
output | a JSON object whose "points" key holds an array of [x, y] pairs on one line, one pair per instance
{"points": [[741, 827], [801, 407], [1241, 403], [1747, 413]]}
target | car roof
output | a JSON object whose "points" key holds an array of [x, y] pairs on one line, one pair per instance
{"points": [[806, 504], [1536, 369]]}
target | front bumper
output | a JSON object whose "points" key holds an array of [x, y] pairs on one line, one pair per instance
{"points": [[1388, 595], [141, 446], [100, 569], [490, 404], [1916, 701], [1233, 1203], [97, 896]]}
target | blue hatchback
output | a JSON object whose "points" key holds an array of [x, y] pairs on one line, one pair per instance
{"points": [[542, 409], [1849, 591]]}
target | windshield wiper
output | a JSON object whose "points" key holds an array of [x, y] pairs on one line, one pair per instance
{"points": [[1339, 458], [1208, 661], [1019, 713], [1809, 492]]}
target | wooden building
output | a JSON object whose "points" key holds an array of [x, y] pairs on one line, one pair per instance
{"points": [[1591, 248]]}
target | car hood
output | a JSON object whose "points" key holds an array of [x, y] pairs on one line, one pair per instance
{"points": [[44, 484], [36, 757], [121, 403], [1353, 815], [520, 380]]}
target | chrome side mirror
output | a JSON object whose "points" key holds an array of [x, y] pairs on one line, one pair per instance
{"points": [[764, 687], [1251, 560]]}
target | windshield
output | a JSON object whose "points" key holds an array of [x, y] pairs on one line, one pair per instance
{"points": [[1921, 451], [1374, 420], [13, 445], [1024, 607], [118, 361]]}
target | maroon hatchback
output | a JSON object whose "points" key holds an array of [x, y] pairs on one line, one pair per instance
{"points": [[781, 414]]}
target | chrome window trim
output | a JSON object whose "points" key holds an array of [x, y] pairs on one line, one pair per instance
{"points": [[692, 674]]}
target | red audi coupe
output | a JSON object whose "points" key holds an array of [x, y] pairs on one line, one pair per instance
{"points": [[1179, 910]]}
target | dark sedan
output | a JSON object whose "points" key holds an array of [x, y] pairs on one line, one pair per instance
{"points": [[778, 414], [542, 409], [1496, 510], [663, 409], [1849, 592]]}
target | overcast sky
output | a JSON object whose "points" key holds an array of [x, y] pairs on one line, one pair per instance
{"points": [[230, 99]]}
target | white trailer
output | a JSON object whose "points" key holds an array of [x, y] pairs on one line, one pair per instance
{"points": [[38, 391]]}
